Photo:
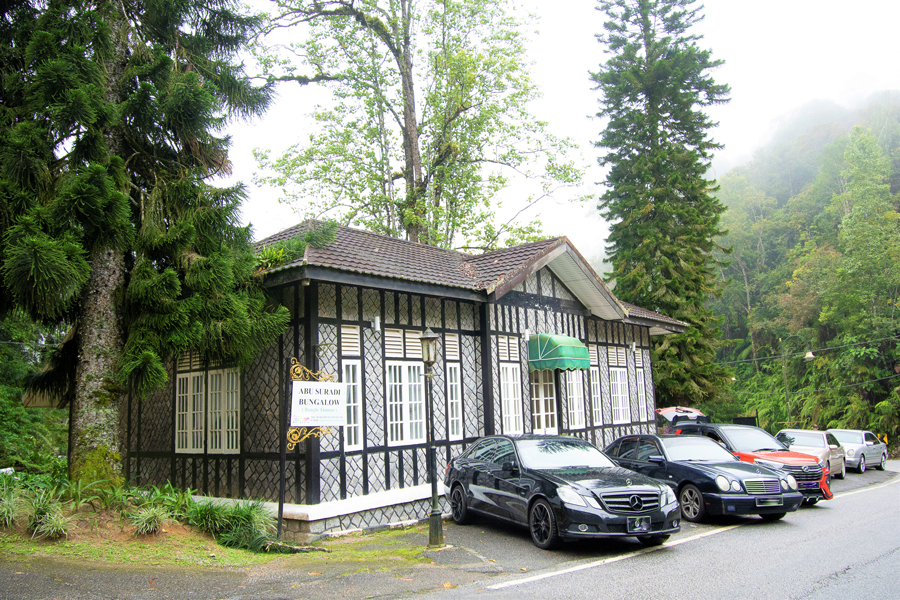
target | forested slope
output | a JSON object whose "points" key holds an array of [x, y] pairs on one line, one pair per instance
{"points": [[813, 224]]}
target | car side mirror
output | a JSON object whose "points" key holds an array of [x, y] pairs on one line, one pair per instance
{"points": [[509, 466], [870, 443], [833, 446], [656, 458]]}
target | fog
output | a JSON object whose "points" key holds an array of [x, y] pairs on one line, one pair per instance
{"points": [[779, 57]]}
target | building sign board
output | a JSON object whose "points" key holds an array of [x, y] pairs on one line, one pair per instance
{"points": [[318, 403]]}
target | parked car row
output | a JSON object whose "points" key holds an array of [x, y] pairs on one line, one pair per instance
{"points": [[564, 488]]}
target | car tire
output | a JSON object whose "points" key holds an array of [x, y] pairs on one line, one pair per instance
{"points": [[653, 540], [862, 464], [691, 500], [459, 509], [773, 516], [883, 464], [542, 525], [843, 472]]}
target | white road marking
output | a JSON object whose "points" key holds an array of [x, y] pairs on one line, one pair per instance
{"points": [[606, 561]]}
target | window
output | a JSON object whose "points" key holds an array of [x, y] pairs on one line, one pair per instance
{"points": [[618, 386], [511, 398], [575, 399], [543, 402], [208, 424], [454, 402], [595, 396], [353, 430], [405, 402], [641, 384]]}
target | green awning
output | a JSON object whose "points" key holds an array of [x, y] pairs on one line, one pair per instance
{"points": [[556, 352]]}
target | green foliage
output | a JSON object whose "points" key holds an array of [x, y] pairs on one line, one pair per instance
{"points": [[429, 117], [663, 219], [816, 267], [290, 250], [210, 516], [250, 526], [149, 520], [8, 501]]}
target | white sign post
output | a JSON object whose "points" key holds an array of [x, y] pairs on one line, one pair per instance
{"points": [[318, 404]]}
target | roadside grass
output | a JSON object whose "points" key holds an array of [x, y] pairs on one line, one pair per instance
{"points": [[180, 545]]}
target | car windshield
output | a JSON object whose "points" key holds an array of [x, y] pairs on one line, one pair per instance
{"points": [[696, 448], [560, 453], [750, 439], [803, 438], [851, 437]]}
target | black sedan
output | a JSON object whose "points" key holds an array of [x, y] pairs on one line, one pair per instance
{"points": [[561, 488], [709, 479]]}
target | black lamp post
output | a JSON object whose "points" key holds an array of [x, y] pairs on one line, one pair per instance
{"points": [[429, 341]]}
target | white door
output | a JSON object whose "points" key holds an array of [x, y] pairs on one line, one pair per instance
{"points": [[543, 402]]}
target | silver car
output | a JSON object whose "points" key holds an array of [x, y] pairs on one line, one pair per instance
{"points": [[821, 444], [863, 448]]}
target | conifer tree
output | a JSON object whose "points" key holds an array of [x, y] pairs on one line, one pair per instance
{"points": [[110, 112], [663, 219]]}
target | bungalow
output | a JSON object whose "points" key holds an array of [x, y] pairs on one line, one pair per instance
{"points": [[358, 307]]}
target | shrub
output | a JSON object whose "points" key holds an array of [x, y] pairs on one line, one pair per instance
{"points": [[8, 501], [149, 520], [210, 516], [53, 524]]}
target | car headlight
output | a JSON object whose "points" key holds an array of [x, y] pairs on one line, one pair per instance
{"points": [[821, 464], [735, 486], [570, 496], [723, 483], [792, 482], [668, 495], [851, 452], [768, 463]]}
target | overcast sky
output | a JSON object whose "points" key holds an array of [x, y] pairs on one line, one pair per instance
{"points": [[778, 56]]}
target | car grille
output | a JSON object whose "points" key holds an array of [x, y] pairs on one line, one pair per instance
{"points": [[813, 474], [622, 502], [762, 486]]}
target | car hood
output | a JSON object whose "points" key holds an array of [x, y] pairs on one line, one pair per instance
{"points": [[599, 479], [738, 470], [821, 453], [784, 456]]}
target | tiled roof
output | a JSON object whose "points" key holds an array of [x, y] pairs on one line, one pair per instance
{"points": [[366, 253], [359, 251]]}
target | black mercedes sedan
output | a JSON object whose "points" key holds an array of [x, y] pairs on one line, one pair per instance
{"points": [[709, 479], [561, 488]]}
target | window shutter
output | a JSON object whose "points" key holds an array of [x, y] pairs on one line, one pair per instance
{"points": [[451, 346], [413, 345], [503, 346], [393, 343], [639, 359], [350, 340], [513, 348], [592, 354]]}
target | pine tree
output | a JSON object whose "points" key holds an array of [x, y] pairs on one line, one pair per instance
{"points": [[663, 218], [107, 139]]}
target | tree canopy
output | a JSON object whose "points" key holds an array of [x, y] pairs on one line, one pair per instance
{"points": [[664, 221], [428, 120], [111, 114]]}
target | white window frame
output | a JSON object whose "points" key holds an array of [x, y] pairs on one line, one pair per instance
{"points": [[351, 377], [541, 381], [454, 401], [575, 399], [596, 403], [405, 402], [215, 428], [641, 394], [511, 398], [618, 392]]}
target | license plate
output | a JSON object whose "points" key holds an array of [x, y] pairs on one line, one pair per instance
{"points": [[809, 484], [769, 502], [638, 524]]}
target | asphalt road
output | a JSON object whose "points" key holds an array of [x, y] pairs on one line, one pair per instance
{"points": [[846, 548]]}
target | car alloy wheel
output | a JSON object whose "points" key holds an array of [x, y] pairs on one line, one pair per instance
{"points": [[843, 472], [883, 464], [542, 525], [458, 508], [691, 499], [862, 464]]}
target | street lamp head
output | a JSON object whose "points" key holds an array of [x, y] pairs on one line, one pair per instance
{"points": [[429, 340], [809, 356]]}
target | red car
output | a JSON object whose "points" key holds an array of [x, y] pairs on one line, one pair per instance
{"points": [[755, 445]]}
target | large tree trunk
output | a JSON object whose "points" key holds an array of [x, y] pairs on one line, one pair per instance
{"points": [[95, 449], [96, 452]]}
